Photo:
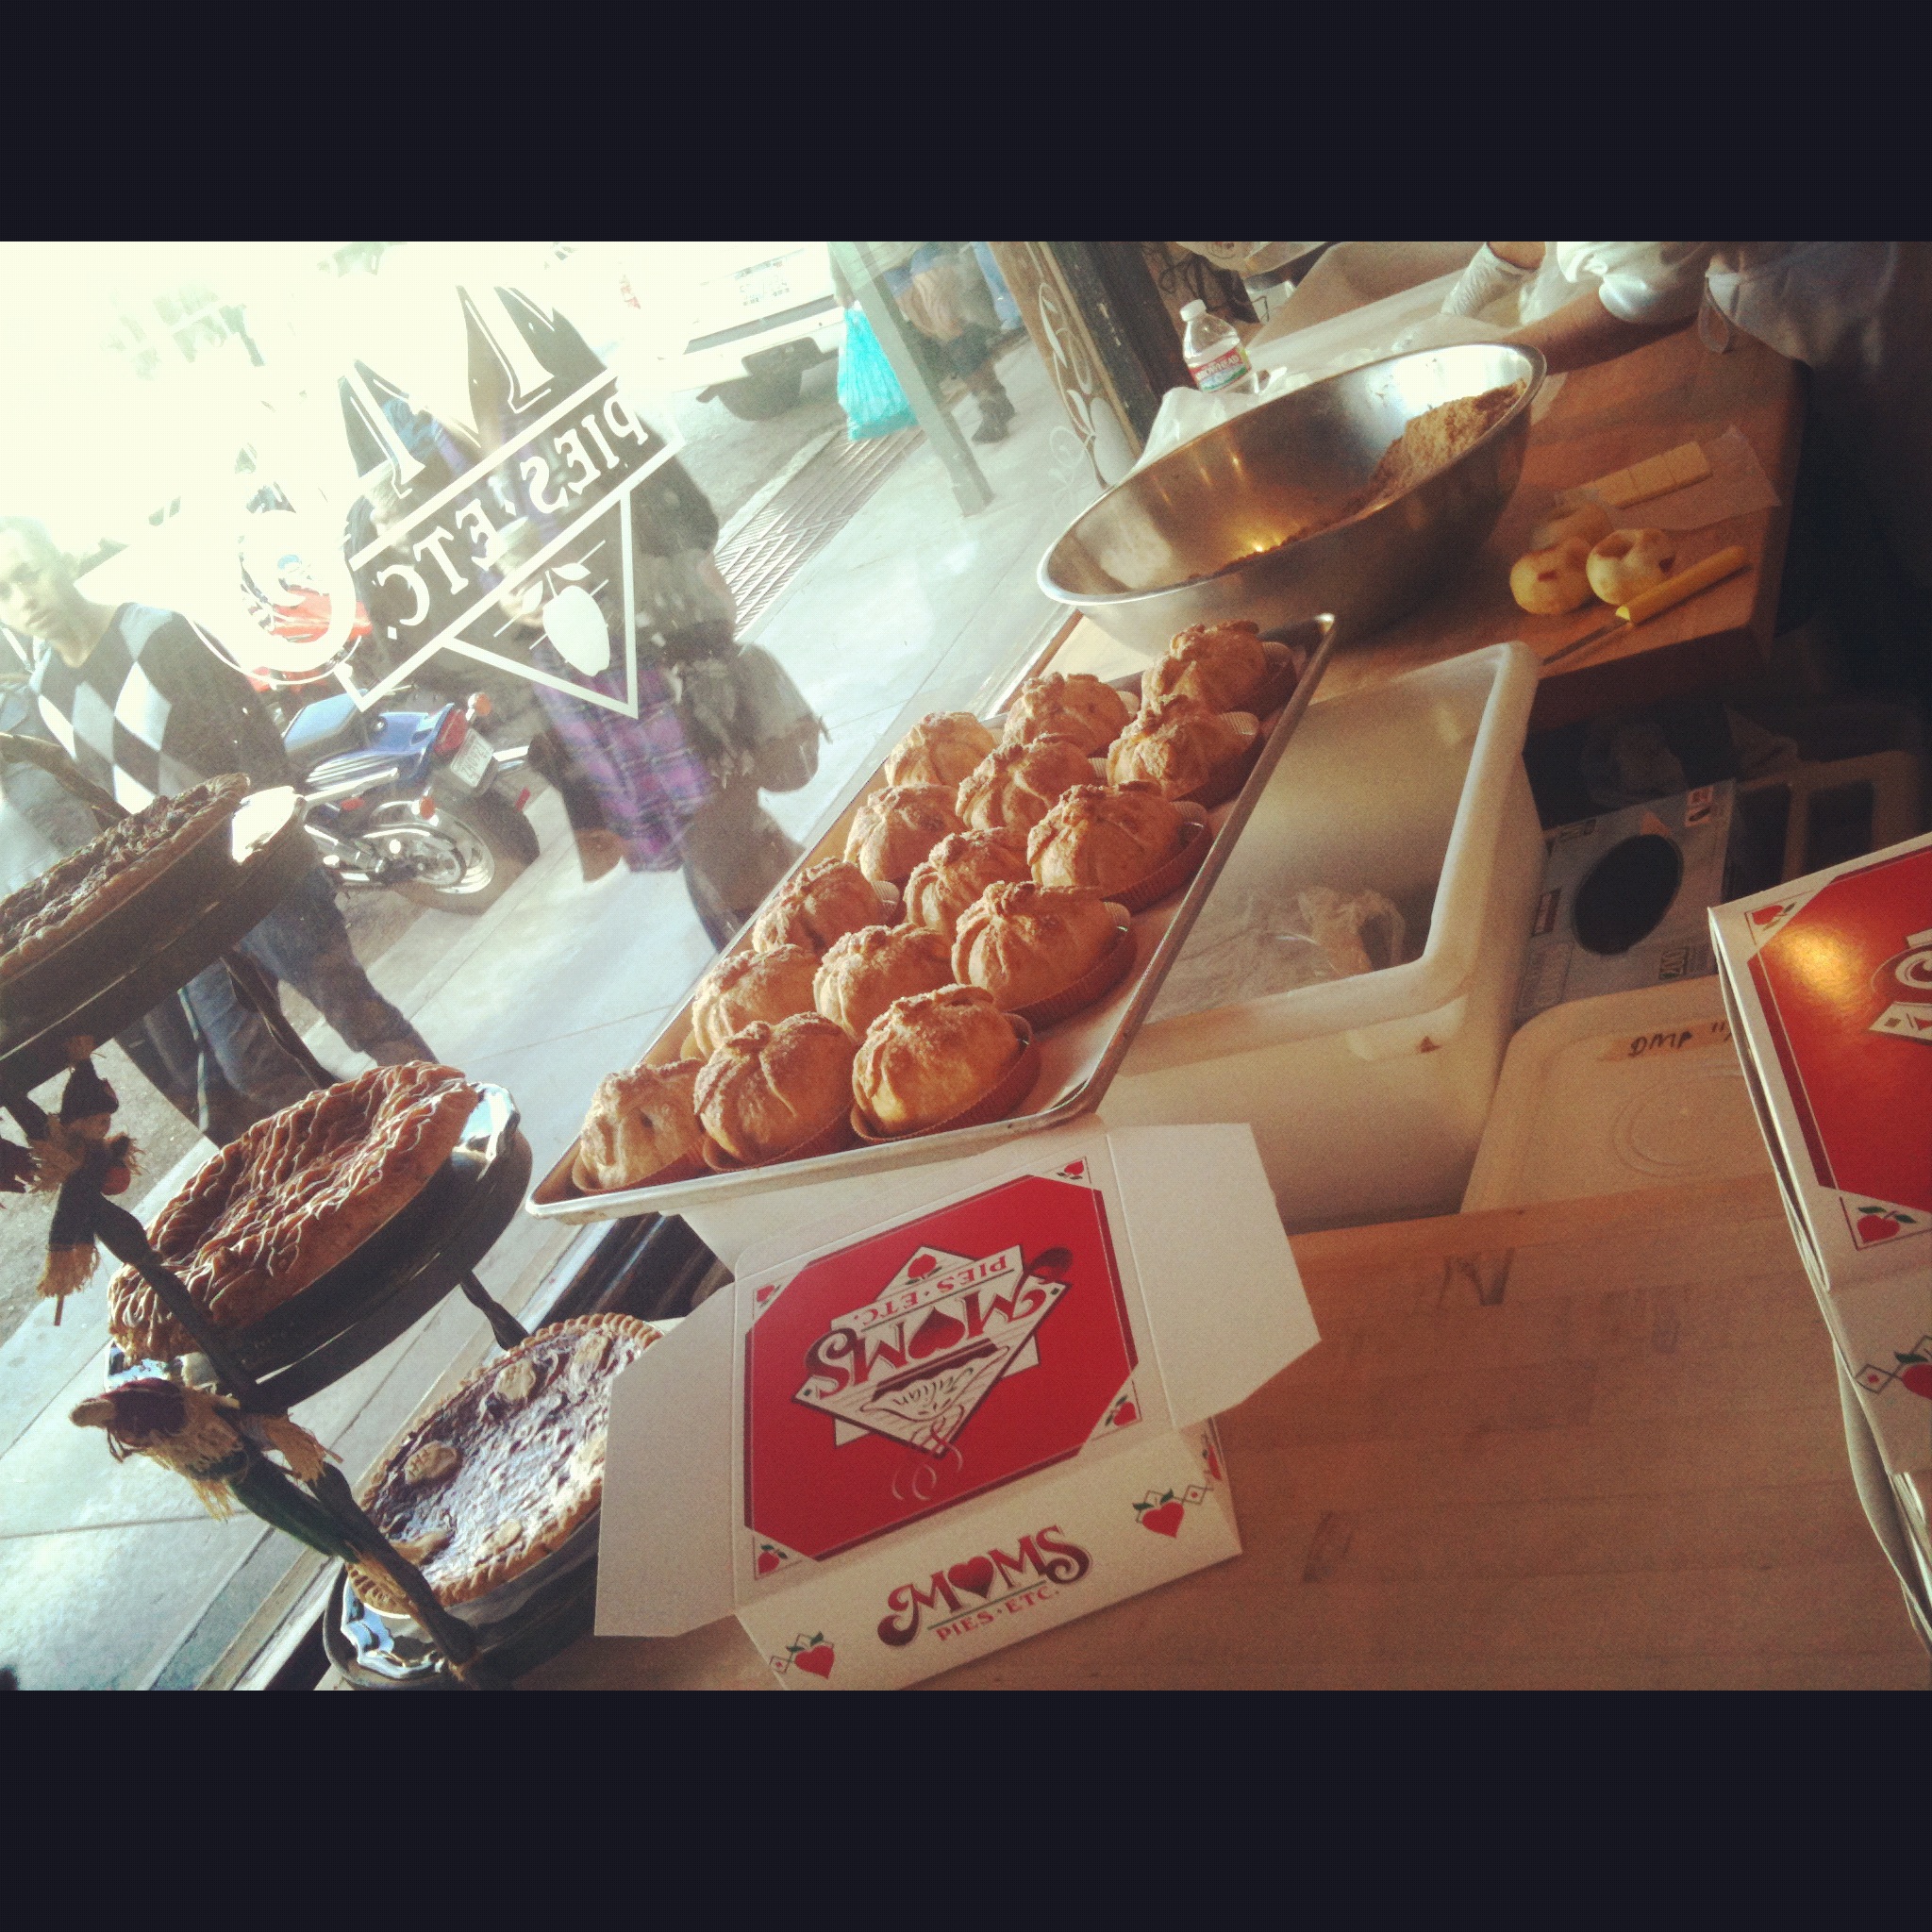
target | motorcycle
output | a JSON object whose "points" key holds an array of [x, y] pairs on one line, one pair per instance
{"points": [[413, 802]]}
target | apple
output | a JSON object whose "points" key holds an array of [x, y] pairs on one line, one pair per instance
{"points": [[1627, 562], [922, 1267], [1876, 1228], [817, 1659], [1548, 582], [1915, 1372], [768, 1561], [1125, 1414]]}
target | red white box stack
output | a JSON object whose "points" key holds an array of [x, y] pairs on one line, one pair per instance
{"points": [[1828, 983]]}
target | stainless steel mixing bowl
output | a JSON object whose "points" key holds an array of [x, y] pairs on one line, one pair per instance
{"points": [[1191, 539]]}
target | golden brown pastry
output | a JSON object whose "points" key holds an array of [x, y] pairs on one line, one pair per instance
{"points": [[1104, 840], [1013, 786], [895, 829], [960, 869], [822, 902], [1175, 744], [930, 1056], [748, 987], [1221, 665], [638, 1124], [939, 750], [1076, 706], [770, 1089], [865, 972], [1027, 943]]}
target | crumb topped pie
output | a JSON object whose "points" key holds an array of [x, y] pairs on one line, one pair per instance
{"points": [[505, 1470]]}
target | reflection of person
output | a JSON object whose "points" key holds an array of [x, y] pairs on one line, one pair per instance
{"points": [[941, 292], [145, 708]]}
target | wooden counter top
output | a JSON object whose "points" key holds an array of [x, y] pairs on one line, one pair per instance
{"points": [[1591, 1444], [1603, 418]]}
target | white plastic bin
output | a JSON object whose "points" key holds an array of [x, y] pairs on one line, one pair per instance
{"points": [[1368, 1095], [1628, 1089]]}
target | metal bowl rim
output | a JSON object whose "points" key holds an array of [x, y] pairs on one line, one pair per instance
{"points": [[1051, 586]]}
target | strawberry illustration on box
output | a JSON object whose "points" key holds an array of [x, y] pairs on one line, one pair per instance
{"points": [[924, 1430], [1828, 984]]}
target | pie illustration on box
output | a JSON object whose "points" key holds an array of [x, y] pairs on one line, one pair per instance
{"points": [[959, 1323], [915, 1368]]}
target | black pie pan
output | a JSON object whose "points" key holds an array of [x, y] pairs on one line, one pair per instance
{"points": [[398, 1274], [155, 941]]}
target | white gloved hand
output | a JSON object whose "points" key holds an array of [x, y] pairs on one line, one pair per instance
{"points": [[1486, 280]]}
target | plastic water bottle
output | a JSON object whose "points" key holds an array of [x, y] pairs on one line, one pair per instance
{"points": [[1214, 354]]}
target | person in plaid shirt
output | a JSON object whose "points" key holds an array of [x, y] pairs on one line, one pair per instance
{"points": [[146, 709]]}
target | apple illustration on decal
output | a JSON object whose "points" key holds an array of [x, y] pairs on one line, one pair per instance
{"points": [[573, 623]]}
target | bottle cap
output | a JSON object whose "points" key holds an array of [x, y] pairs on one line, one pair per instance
{"points": [[1190, 309]]}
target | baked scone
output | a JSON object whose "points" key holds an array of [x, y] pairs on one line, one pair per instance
{"points": [[748, 987], [895, 829], [960, 869], [1104, 840], [640, 1122], [822, 903], [1027, 943], [930, 1056], [1221, 665], [939, 750], [1013, 786], [865, 972], [1175, 744], [1073, 704], [770, 1089]]}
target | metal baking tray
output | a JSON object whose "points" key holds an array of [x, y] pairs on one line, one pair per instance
{"points": [[156, 940], [1079, 1056]]}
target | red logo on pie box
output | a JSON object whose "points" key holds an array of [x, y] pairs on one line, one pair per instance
{"points": [[1846, 984], [932, 1363]]}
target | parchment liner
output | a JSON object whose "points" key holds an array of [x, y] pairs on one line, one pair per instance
{"points": [[1097, 981]]}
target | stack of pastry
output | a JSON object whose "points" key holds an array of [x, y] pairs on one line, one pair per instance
{"points": [[1072, 704], [1027, 945], [1103, 841], [929, 1057], [770, 1089], [895, 828], [960, 869], [817, 905], [865, 972], [1012, 788]]}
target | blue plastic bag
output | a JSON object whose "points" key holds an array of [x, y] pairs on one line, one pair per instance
{"points": [[868, 391]]}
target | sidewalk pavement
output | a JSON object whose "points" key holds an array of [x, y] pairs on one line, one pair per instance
{"points": [[112, 1575]]}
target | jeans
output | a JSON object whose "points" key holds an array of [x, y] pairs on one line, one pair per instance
{"points": [[304, 943]]}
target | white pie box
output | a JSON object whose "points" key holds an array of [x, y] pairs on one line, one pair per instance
{"points": [[979, 1406], [1828, 982]]}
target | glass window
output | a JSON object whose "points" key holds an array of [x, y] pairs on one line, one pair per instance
{"points": [[574, 585]]}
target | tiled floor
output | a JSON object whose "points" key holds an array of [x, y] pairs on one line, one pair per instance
{"points": [[107, 1572]]}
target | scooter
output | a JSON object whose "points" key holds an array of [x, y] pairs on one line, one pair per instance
{"points": [[414, 802]]}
